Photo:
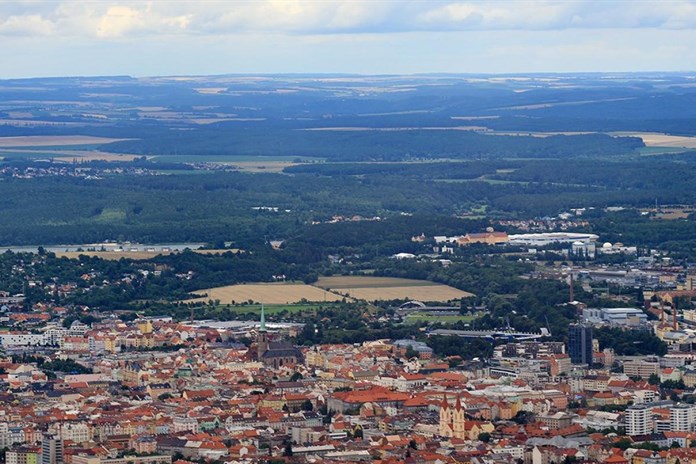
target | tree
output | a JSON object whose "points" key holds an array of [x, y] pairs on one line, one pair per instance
{"points": [[654, 379], [287, 451], [484, 437], [307, 405]]}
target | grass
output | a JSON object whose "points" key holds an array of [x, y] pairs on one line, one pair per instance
{"points": [[389, 288], [111, 215], [416, 318], [275, 309], [231, 159], [652, 151]]}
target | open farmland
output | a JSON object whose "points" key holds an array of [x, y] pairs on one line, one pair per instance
{"points": [[274, 293], [654, 139], [390, 288], [54, 140]]}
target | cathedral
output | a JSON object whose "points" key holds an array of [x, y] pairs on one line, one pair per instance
{"points": [[274, 353], [452, 419], [454, 424]]}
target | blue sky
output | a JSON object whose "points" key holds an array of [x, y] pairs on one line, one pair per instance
{"points": [[141, 38]]}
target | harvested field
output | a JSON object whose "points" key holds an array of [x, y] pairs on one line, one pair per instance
{"points": [[390, 288], [655, 139], [54, 140], [274, 293]]}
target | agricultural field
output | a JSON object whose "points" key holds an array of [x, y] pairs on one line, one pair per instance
{"points": [[390, 288], [53, 140], [654, 139], [273, 293]]}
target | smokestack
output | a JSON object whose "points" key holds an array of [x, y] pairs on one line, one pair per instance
{"points": [[674, 314]]}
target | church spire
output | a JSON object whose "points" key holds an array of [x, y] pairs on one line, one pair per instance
{"points": [[262, 327]]}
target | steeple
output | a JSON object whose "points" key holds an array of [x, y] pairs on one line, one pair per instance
{"points": [[262, 336], [262, 327]]}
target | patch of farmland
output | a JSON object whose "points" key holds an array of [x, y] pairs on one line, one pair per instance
{"points": [[273, 293], [54, 140], [390, 288]]}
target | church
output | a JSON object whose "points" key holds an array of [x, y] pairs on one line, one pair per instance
{"points": [[274, 353], [453, 422]]}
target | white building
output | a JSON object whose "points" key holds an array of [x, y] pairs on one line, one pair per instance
{"points": [[682, 417], [543, 239], [639, 420], [615, 316], [22, 339], [185, 424]]}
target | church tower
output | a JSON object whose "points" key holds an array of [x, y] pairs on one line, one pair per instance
{"points": [[445, 418], [262, 336], [458, 420], [452, 419]]}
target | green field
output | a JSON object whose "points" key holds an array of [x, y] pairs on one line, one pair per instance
{"points": [[418, 318], [231, 159], [274, 309]]}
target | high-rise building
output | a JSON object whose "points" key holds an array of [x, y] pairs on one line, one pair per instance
{"points": [[51, 449], [580, 344], [682, 417], [639, 420]]}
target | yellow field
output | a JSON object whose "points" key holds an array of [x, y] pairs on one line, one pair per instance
{"points": [[275, 293], [390, 288], [655, 139], [53, 140]]}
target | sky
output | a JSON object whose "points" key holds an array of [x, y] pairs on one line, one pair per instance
{"points": [[182, 37]]}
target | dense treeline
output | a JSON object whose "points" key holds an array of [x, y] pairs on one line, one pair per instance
{"points": [[374, 145], [220, 206], [630, 342]]}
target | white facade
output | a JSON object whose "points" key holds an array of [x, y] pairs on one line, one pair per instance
{"points": [[682, 417], [550, 238], [639, 420], [22, 339]]}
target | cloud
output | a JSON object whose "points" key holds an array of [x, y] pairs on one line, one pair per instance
{"points": [[118, 19]]}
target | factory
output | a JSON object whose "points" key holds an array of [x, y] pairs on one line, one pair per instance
{"points": [[550, 238], [627, 317]]}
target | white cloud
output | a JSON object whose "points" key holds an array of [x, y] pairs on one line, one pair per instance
{"points": [[124, 18]]}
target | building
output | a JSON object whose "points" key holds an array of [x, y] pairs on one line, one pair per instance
{"points": [[682, 417], [452, 419], [639, 420], [580, 344], [543, 239], [489, 238], [276, 354], [641, 368], [615, 316], [51, 450]]}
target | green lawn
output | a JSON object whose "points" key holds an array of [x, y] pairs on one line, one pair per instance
{"points": [[275, 309], [417, 318]]}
